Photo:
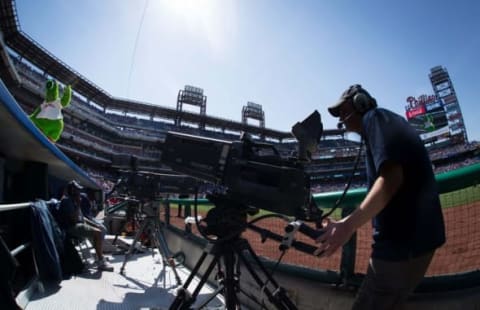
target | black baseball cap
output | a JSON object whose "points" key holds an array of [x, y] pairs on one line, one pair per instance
{"points": [[346, 96]]}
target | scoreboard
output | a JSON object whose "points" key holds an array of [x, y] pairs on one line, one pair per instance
{"points": [[428, 116]]}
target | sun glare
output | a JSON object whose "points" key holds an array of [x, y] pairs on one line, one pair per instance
{"points": [[191, 11], [210, 20]]}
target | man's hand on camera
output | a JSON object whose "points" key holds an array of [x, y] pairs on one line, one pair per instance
{"points": [[336, 234]]}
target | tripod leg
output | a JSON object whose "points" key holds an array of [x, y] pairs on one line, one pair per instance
{"points": [[131, 219], [228, 277], [162, 246], [184, 300], [165, 252], [279, 298], [230, 281], [114, 241], [132, 246]]}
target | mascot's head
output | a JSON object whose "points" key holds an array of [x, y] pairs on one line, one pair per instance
{"points": [[51, 91]]}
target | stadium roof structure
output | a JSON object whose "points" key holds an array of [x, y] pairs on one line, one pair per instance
{"points": [[28, 49]]}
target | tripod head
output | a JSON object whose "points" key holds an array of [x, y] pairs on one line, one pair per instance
{"points": [[228, 218]]}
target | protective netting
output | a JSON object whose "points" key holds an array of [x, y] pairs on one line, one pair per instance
{"points": [[461, 252]]}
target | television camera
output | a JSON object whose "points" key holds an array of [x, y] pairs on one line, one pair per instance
{"points": [[253, 174], [141, 192], [249, 175], [151, 185], [140, 189]]}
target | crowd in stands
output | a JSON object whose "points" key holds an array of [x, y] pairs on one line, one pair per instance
{"points": [[82, 150], [102, 177], [93, 132], [453, 150], [335, 186], [456, 165], [107, 180]]}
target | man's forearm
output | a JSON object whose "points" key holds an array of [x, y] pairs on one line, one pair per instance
{"points": [[382, 191]]}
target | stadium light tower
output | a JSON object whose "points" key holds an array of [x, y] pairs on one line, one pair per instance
{"points": [[192, 96], [254, 111]]}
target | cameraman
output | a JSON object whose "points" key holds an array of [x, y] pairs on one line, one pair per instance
{"points": [[402, 203], [76, 225], [88, 206]]}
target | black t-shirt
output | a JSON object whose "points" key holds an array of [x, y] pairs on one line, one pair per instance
{"points": [[412, 222]]}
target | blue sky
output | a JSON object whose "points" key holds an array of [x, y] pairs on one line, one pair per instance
{"points": [[292, 57]]}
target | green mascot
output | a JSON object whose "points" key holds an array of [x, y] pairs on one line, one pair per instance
{"points": [[48, 116]]}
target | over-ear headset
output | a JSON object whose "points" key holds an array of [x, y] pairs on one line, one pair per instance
{"points": [[361, 99]]}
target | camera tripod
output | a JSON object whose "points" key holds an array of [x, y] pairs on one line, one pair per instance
{"points": [[153, 228], [228, 252], [132, 217]]}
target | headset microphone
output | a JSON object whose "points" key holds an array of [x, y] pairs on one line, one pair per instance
{"points": [[341, 124]]}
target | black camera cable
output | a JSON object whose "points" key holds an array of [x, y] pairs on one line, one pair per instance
{"points": [[349, 182], [282, 251], [195, 213]]}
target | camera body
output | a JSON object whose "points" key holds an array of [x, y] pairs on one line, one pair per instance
{"points": [[149, 185], [252, 173]]}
